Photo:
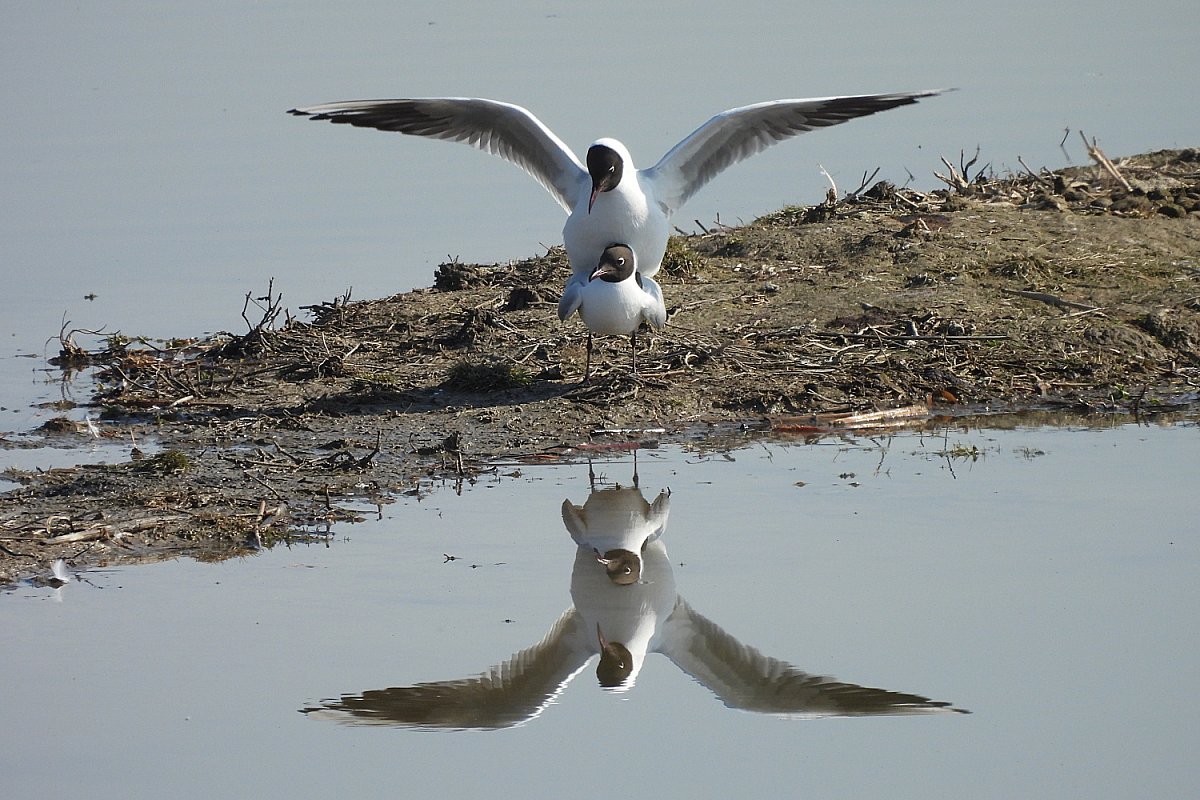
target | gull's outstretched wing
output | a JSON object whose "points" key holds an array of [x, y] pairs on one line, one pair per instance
{"points": [[506, 695], [503, 129], [742, 677], [739, 133]]}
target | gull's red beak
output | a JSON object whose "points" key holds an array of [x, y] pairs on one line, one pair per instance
{"points": [[592, 199]]}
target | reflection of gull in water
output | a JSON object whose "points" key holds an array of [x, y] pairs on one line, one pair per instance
{"points": [[59, 575], [622, 623], [617, 524]]}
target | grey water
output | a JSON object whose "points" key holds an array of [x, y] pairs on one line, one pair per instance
{"points": [[1043, 579]]}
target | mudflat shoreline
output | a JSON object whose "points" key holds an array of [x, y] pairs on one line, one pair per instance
{"points": [[1071, 290]]}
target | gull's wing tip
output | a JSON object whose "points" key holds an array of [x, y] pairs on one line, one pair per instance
{"points": [[914, 96], [313, 113]]}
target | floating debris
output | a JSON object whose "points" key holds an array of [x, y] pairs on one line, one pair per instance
{"points": [[887, 418]]}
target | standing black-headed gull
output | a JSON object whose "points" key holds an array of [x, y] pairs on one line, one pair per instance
{"points": [[609, 200], [615, 300]]}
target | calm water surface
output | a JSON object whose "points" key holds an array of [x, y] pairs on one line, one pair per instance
{"points": [[1044, 579]]}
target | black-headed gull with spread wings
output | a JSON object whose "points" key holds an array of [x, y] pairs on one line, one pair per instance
{"points": [[608, 199]]}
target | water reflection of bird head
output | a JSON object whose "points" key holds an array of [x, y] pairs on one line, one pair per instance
{"points": [[623, 566], [616, 524], [616, 662], [623, 623]]}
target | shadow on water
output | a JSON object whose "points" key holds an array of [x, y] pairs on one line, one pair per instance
{"points": [[625, 606]]}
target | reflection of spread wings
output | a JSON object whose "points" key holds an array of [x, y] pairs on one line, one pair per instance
{"points": [[741, 677], [507, 694]]}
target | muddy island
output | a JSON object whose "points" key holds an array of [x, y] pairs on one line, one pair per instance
{"points": [[1074, 289]]}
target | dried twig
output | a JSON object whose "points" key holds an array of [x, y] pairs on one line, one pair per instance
{"points": [[1039, 178], [1050, 299], [981, 337], [887, 418], [866, 182], [270, 311], [960, 178], [111, 531], [1097, 155]]}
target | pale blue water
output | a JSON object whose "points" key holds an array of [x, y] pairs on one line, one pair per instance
{"points": [[1048, 586]]}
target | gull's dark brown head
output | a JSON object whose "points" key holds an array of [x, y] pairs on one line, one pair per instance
{"points": [[617, 263], [606, 166]]}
